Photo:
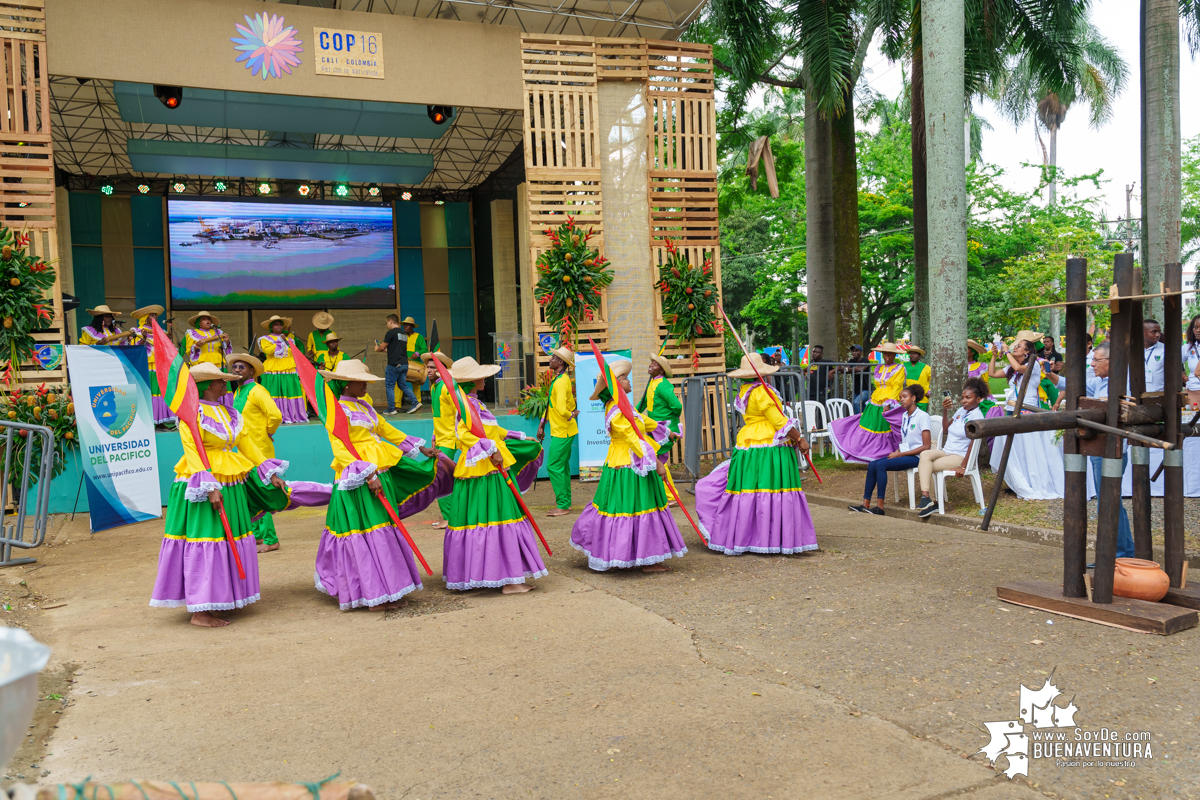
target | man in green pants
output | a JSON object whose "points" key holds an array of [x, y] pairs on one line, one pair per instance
{"points": [[563, 429]]}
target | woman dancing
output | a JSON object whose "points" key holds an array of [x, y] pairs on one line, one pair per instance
{"points": [[872, 434], [279, 369]]}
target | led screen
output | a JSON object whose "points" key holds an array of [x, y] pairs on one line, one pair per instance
{"points": [[248, 254]]}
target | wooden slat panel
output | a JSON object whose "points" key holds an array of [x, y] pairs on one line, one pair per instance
{"points": [[561, 127], [683, 210], [558, 60], [680, 67], [683, 133], [550, 202], [621, 59]]}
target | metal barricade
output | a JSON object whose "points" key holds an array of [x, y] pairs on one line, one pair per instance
{"points": [[13, 533]]}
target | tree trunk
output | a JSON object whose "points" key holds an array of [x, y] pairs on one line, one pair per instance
{"points": [[920, 323], [942, 30], [818, 239], [847, 262], [1161, 204], [1054, 166]]}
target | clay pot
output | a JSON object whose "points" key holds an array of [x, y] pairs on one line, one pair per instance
{"points": [[1140, 579]]}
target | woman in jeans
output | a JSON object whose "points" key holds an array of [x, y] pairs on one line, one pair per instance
{"points": [[914, 440], [953, 455]]}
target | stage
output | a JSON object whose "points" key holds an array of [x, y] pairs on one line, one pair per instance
{"points": [[306, 447]]}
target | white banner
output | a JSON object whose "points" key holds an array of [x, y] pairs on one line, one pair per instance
{"points": [[116, 433]]}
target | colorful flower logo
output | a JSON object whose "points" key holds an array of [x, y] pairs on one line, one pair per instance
{"points": [[266, 46]]}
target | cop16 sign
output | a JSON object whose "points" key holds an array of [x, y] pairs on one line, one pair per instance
{"points": [[350, 54]]}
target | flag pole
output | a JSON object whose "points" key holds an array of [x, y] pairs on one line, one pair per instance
{"points": [[738, 339]]}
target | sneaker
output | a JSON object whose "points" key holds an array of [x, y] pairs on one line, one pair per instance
{"points": [[877, 511], [391, 412], [926, 507], [862, 509], [414, 408]]}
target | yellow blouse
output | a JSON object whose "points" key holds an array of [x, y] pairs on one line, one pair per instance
{"points": [[624, 441], [562, 405], [443, 417], [278, 351], [889, 382], [474, 458], [375, 440], [326, 360], [221, 430], [765, 424], [212, 350], [91, 336], [261, 415]]}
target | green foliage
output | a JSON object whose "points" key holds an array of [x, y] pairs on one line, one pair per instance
{"points": [[51, 407], [1190, 232], [688, 299], [535, 399], [25, 281], [571, 277]]}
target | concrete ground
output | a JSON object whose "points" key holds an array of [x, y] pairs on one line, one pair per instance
{"points": [[864, 670]]}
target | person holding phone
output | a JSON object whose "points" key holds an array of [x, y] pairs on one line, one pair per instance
{"points": [[953, 455], [395, 343]]}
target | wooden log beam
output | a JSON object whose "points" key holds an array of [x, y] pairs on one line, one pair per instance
{"points": [[1028, 423], [1139, 457], [1125, 433]]}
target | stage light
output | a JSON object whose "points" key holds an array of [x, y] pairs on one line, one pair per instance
{"points": [[373, 190], [304, 189], [264, 188], [143, 188], [439, 114], [179, 186], [220, 186], [169, 96], [106, 189], [406, 196], [439, 197], [341, 190]]}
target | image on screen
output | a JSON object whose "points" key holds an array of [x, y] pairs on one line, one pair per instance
{"points": [[247, 254]]}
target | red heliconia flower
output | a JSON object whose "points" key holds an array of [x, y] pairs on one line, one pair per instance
{"points": [[22, 240], [38, 267], [570, 222], [42, 390], [720, 327], [670, 247], [42, 312]]}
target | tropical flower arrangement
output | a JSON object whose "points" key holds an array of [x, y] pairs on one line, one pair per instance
{"points": [[689, 299], [535, 399], [25, 280], [571, 278], [52, 407]]}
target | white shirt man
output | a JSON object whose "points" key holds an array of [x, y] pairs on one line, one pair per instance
{"points": [[1153, 355]]}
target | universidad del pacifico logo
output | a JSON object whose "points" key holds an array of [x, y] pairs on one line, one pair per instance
{"points": [[1047, 730]]}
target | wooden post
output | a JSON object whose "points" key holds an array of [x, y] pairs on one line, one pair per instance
{"points": [[1074, 463], [1110, 480], [1173, 459], [1139, 456]]}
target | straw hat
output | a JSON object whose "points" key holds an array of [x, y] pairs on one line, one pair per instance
{"points": [[745, 370], [350, 370], [885, 347], [152, 310], [976, 346], [332, 337], [322, 320], [566, 354], [408, 321], [619, 370], [662, 362], [468, 369], [1033, 337], [246, 358], [192, 319], [442, 357], [207, 371], [101, 310], [287, 322], [912, 348]]}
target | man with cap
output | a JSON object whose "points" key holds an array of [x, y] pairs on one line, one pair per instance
{"points": [[206, 343], [104, 328], [261, 418], [659, 402], [416, 347], [918, 372], [395, 344], [322, 322], [561, 413]]}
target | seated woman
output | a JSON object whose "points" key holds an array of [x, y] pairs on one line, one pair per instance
{"points": [[953, 455], [627, 524], [914, 440]]}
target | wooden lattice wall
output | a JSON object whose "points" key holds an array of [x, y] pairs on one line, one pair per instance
{"points": [[562, 133], [26, 153]]}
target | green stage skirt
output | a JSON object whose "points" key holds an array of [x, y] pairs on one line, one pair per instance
{"points": [[872, 420], [285, 388]]}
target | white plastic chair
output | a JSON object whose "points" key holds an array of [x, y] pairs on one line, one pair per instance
{"points": [[935, 441], [837, 408], [818, 423], [972, 472]]}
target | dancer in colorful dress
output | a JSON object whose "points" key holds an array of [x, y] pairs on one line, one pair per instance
{"points": [[628, 524], [262, 418], [145, 335], [206, 343], [978, 369], [443, 420], [279, 378], [315, 345], [104, 328], [489, 541], [564, 430], [196, 567], [659, 402], [754, 503], [874, 433], [918, 372], [363, 558]]}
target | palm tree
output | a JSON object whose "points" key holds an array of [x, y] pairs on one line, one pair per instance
{"points": [[1100, 74]]}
